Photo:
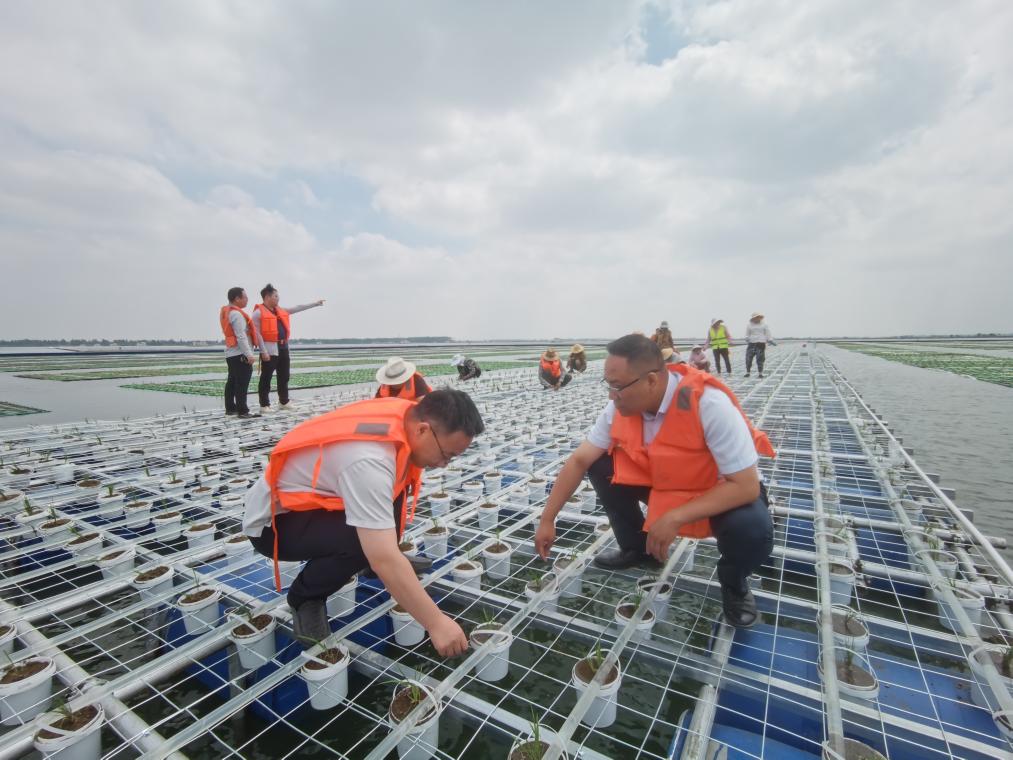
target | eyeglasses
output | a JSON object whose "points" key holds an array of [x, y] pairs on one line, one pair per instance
{"points": [[443, 454], [612, 389]]}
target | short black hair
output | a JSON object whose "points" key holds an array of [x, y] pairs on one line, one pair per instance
{"points": [[452, 411], [267, 290], [235, 293], [638, 350]]}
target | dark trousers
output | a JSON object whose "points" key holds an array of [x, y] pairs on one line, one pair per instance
{"points": [[759, 350], [236, 385], [745, 534], [329, 546], [718, 353], [283, 364]]}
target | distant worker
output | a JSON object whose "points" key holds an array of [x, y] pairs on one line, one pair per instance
{"points": [[670, 356], [757, 337], [677, 440], [663, 336], [718, 340], [698, 359], [550, 371], [577, 362], [274, 330], [240, 352], [467, 369], [337, 494], [399, 379]]}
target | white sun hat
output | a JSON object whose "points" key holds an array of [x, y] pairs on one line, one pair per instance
{"points": [[458, 360], [756, 314], [395, 371]]}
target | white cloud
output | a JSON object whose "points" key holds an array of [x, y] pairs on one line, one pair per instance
{"points": [[528, 172]]}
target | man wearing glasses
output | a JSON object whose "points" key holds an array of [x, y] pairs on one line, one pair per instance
{"points": [[681, 444], [338, 492]]}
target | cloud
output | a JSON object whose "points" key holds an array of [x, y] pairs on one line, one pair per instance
{"points": [[489, 170]]}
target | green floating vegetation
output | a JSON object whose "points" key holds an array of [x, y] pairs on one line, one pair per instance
{"points": [[989, 369], [8, 409], [310, 379]]}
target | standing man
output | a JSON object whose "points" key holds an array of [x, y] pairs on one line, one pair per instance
{"points": [[757, 338], [663, 336], [718, 340], [338, 492], [274, 330], [399, 379], [675, 438], [550, 371], [240, 352]]}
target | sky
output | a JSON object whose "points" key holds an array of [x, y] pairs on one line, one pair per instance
{"points": [[491, 170]]}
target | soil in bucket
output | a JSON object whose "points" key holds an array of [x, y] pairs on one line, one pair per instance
{"points": [[150, 575], [83, 539], [530, 750], [854, 674], [332, 656], [16, 673], [73, 722], [258, 623], [848, 625], [497, 548], [406, 699], [111, 556], [586, 671], [197, 596]]}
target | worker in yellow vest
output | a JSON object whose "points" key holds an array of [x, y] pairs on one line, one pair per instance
{"points": [[718, 341]]}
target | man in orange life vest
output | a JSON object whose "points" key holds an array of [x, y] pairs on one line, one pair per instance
{"points": [[337, 493], [240, 351], [274, 329], [399, 379], [675, 438], [550, 371]]}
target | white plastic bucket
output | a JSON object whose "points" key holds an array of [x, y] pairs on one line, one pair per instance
{"points": [[602, 712], [469, 573], [327, 685], [199, 616], [257, 648], [21, 701], [497, 564], [496, 663], [407, 630], [83, 744]]}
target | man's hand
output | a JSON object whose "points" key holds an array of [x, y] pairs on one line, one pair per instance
{"points": [[448, 637], [320, 302], [545, 537], [661, 535], [265, 356]]}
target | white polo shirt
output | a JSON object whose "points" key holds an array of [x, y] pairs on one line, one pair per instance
{"points": [[725, 431], [361, 473]]}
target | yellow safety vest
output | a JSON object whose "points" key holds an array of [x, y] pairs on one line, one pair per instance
{"points": [[718, 337]]}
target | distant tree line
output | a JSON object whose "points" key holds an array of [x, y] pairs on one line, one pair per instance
{"points": [[30, 342]]}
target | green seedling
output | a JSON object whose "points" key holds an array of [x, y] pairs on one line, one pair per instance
{"points": [[596, 658], [110, 489]]}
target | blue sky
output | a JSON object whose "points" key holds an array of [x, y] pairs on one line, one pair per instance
{"points": [[492, 170]]}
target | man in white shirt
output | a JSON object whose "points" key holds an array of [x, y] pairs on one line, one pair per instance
{"points": [[734, 504], [757, 337], [336, 543]]}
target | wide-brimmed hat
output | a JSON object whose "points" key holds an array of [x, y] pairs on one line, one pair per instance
{"points": [[576, 348], [756, 314], [664, 324], [698, 347], [457, 361], [666, 353], [395, 371], [550, 354], [715, 320]]}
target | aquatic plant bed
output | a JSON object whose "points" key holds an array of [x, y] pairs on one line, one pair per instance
{"points": [[186, 669], [989, 369], [7, 409], [310, 379]]}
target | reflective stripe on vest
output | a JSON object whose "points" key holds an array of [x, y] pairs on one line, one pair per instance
{"points": [[381, 420], [269, 322], [719, 337], [677, 465], [230, 335]]}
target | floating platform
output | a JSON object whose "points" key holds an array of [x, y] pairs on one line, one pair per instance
{"points": [[886, 622]]}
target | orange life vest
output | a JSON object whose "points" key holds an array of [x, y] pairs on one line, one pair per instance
{"points": [[677, 465], [406, 391], [381, 420], [554, 368], [269, 322], [230, 334]]}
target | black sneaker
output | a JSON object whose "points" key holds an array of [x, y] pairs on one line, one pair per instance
{"points": [[747, 375], [309, 622], [230, 414], [620, 559], [740, 609], [761, 375], [248, 416]]}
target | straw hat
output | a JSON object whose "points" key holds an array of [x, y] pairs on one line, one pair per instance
{"points": [[550, 354], [756, 314], [576, 348], [395, 371], [698, 347], [666, 353], [457, 361], [716, 320]]}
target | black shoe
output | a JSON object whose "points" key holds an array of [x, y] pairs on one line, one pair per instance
{"points": [[230, 414], [309, 622], [761, 375], [740, 609], [747, 374], [248, 416], [620, 559]]}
